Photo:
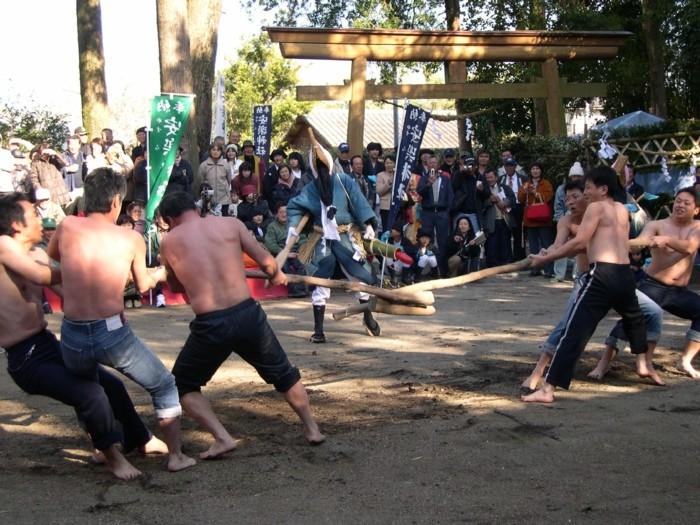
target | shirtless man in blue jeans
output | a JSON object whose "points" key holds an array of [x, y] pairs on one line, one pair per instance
{"points": [[33, 354], [96, 259]]}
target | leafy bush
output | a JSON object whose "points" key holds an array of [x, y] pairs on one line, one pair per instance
{"points": [[33, 124], [556, 154]]}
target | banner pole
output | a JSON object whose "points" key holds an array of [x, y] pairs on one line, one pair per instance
{"points": [[148, 196]]}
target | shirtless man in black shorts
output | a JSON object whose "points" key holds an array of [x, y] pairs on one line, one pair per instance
{"points": [[674, 241], [610, 283], [204, 258], [34, 356]]}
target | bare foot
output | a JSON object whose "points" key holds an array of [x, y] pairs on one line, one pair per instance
{"points": [[539, 396], [219, 448], [530, 383], [177, 462], [313, 436], [599, 371], [603, 366], [119, 466], [645, 368], [688, 369], [154, 446], [98, 458]]}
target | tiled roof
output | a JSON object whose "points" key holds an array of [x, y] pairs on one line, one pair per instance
{"points": [[332, 125]]}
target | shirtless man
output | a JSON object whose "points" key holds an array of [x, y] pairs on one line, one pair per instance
{"points": [[567, 227], [674, 241], [227, 319], [653, 316], [603, 233], [34, 356], [97, 257]]}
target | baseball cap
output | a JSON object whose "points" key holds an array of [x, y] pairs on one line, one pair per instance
{"points": [[80, 131], [247, 143], [343, 147], [449, 152], [510, 161]]}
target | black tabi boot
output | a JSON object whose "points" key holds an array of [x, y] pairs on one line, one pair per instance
{"points": [[371, 326], [318, 336]]}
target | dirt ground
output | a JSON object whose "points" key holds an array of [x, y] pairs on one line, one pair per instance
{"points": [[423, 426]]}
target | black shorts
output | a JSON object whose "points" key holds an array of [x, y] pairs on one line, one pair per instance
{"points": [[242, 329]]}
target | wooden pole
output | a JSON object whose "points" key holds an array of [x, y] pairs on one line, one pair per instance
{"points": [[555, 103], [411, 297], [468, 278], [356, 113]]}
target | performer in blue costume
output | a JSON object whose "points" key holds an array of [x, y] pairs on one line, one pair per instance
{"points": [[342, 217]]}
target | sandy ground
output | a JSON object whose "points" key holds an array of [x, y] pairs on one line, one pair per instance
{"points": [[423, 426]]}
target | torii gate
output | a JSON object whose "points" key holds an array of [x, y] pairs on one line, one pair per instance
{"points": [[456, 48]]}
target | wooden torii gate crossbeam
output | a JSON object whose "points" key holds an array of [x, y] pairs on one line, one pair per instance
{"points": [[456, 48]]}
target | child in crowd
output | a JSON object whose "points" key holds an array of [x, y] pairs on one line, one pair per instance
{"points": [[426, 264]]}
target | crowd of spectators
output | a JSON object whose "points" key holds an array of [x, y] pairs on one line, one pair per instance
{"points": [[461, 213]]}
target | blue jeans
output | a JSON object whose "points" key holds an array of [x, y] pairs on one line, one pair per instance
{"points": [[110, 342], [653, 318]]}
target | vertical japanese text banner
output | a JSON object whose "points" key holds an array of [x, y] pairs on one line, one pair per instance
{"points": [[414, 122], [262, 130], [169, 114]]}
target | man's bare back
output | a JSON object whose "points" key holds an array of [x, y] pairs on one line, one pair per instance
{"points": [[668, 265], [96, 259], [205, 256]]}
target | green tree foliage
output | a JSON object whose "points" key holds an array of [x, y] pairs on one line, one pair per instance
{"points": [[262, 76], [36, 125], [627, 76]]}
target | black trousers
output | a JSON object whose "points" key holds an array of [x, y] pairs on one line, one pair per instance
{"points": [[497, 247], [606, 286], [105, 408]]}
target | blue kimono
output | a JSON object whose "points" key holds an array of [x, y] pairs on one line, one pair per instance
{"points": [[353, 210]]}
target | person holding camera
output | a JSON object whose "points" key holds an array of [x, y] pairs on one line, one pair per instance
{"points": [[463, 251], [213, 172], [465, 184], [205, 204], [436, 191]]}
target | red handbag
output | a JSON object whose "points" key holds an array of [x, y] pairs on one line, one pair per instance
{"points": [[538, 211]]}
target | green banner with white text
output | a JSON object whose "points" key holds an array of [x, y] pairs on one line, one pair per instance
{"points": [[169, 114]]}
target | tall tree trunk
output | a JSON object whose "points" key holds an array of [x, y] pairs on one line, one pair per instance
{"points": [[456, 71], [203, 16], [91, 61], [176, 63], [651, 24], [538, 20]]}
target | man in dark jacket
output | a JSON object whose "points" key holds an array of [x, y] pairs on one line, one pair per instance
{"points": [[277, 158], [464, 185], [497, 202], [438, 198]]}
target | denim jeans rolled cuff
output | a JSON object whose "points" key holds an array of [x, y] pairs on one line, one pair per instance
{"points": [[169, 413], [85, 344], [693, 335], [612, 341], [548, 348]]}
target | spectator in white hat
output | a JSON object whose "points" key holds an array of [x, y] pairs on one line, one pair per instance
{"points": [[46, 208]]}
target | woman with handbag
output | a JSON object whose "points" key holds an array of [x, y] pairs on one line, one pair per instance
{"points": [[536, 196]]}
